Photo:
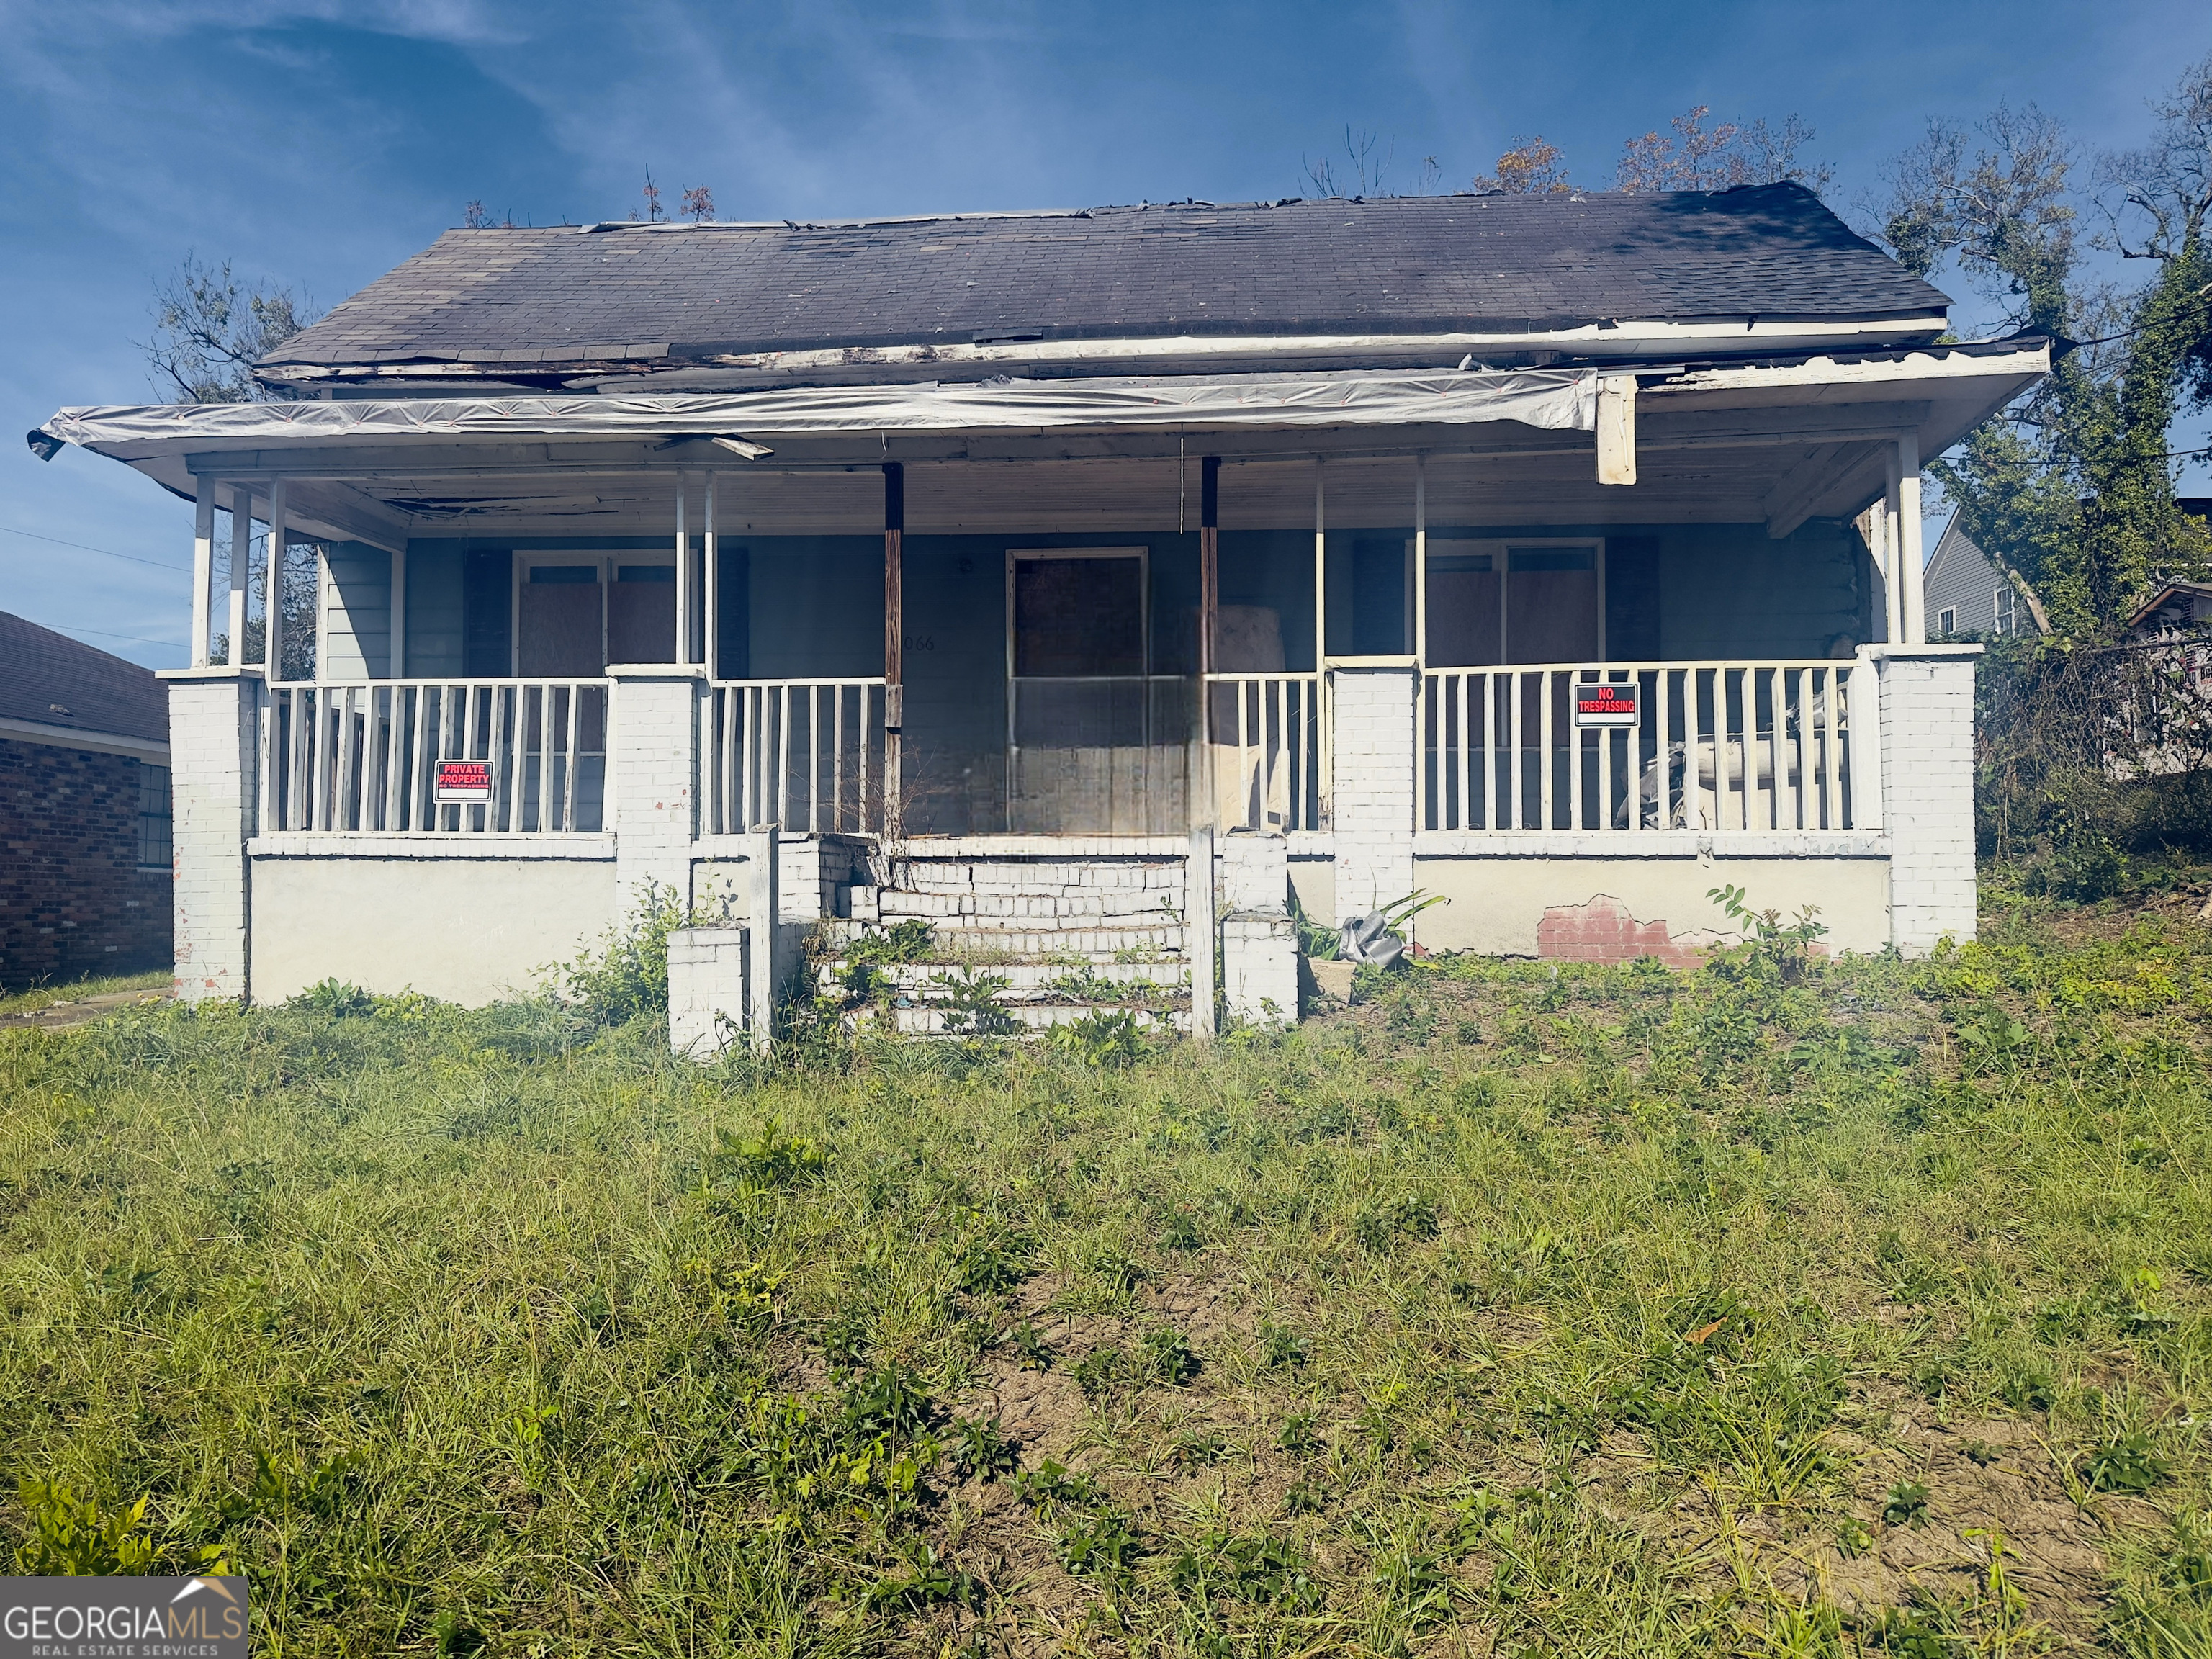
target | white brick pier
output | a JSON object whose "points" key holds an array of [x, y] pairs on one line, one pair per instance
{"points": [[1928, 790]]}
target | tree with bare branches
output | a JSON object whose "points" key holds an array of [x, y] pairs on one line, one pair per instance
{"points": [[211, 328], [1694, 156]]}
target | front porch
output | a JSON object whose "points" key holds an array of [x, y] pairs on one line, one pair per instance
{"points": [[1570, 656]]}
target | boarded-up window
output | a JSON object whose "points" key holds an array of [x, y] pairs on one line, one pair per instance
{"points": [[1079, 616], [1551, 604]]}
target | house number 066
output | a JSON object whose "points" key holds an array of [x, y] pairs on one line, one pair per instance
{"points": [[918, 643]]}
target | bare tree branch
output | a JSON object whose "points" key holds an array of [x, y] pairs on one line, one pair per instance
{"points": [[209, 329]]}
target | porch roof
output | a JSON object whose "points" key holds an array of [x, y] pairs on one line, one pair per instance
{"points": [[1779, 441]]}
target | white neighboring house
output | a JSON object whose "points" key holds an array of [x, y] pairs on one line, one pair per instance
{"points": [[1968, 594], [1083, 585]]}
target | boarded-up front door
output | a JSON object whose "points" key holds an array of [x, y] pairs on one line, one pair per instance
{"points": [[1096, 745]]}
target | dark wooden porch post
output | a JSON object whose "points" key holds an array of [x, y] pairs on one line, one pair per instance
{"points": [[894, 656], [1209, 616]]}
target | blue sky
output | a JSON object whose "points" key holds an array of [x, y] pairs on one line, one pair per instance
{"points": [[320, 144]]}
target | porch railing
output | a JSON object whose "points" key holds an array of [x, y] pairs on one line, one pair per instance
{"points": [[365, 757], [1718, 745], [1268, 738], [805, 754]]}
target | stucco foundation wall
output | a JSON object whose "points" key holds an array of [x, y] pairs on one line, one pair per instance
{"points": [[1497, 903], [463, 930]]}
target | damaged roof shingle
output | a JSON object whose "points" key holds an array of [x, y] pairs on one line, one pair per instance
{"points": [[1400, 266]]}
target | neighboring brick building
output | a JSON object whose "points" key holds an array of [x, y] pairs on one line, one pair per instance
{"points": [[84, 810]]}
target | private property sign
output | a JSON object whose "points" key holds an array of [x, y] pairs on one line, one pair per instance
{"points": [[464, 783], [1608, 706]]}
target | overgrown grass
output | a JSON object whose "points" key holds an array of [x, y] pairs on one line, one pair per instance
{"points": [[1556, 1310], [31, 1000]]}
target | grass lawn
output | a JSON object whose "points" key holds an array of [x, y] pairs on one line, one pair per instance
{"points": [[45, 996], [1585, 1311]]}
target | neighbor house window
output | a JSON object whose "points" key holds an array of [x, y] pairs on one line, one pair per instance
{"points": [[2004, 611], [1946, 622], [153, 816]]}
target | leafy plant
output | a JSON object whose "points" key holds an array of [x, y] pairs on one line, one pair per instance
{"points": [[2127, 1464], [980, 1451], [627, 976], [969, 1001], [1109, 1038], [1099, 1546], [1030, 1345], [1168, 1356], [898, 945], [335, 999], [1280, 1348], [767, 1162], [1773, 949], [1906, 1504], [76, 1537]]}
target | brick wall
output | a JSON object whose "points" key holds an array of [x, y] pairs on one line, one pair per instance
{"points": [[72, 899]]}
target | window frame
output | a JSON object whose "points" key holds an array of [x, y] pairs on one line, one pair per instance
{"points": [[166, 818], [1500, 549]]}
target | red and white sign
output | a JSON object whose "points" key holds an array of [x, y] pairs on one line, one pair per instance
{"points": [[464, 783], [1608, 706]]}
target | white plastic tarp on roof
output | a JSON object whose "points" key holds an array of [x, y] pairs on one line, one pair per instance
{"points": [[1554, 399]]}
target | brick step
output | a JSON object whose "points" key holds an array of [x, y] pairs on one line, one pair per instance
{"points": [[1041, 943], [1030, 982], [1036, 1017], [1041, 908]]}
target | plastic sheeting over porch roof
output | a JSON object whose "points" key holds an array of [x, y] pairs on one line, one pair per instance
{"points": [[1770, 441]]}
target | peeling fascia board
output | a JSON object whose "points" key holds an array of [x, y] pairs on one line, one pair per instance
{"points": [[1708, 337], [1937, 363]]}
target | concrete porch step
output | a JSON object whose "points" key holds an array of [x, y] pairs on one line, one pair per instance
{"points": [[1099, 944], [1035, 1017], [1112, 905], [1033, 982], [920, 875]]}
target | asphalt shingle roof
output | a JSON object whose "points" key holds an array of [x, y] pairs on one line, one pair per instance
{"points": [[1408, 265], [95, 692]]}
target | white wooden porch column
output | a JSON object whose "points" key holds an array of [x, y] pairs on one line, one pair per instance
{"points": [[710, 578], [241, 557], [683, 643], [1912, 573], [272, 627], [203, 568]]}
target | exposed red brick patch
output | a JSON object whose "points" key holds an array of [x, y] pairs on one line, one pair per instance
{"points": [[1603, 930]]}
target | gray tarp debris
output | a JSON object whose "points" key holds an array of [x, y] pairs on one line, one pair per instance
{"points": [[1554, 399], [1367, 938]]}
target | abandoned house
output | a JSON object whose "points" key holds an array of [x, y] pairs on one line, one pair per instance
{"points": [[84, 810], [1091, 586]]}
